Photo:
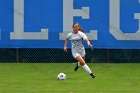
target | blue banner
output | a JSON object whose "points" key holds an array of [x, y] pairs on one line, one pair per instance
{"points": [[112, 24]]}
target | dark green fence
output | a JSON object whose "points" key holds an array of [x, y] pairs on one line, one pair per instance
{"points": [[58, 56]]}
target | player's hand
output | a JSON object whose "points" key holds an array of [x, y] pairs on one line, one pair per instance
{"points": [[90, 45], [65, 49]]}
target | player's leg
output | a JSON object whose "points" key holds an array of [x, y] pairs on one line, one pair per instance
{"points": [[92, 75], [78, 65], [82, 53], [84, 65]]}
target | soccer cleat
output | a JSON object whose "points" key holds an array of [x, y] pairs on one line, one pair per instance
{"points": [[76, 67], [92, 75]]}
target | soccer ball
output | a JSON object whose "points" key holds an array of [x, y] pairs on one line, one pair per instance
{"points": [[61, 76]]}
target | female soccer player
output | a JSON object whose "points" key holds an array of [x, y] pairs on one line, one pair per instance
{"points": [[78, 50]]}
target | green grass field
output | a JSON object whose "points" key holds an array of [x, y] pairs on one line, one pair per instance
{"points": [[41, 78]]}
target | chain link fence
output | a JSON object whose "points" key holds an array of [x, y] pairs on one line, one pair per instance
{"points": [[59, 56]]}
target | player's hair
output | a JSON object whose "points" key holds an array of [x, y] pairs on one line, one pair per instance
{"points": [[80, 29]]}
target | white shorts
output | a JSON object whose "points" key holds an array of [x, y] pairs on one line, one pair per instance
{"points": [[75, 54]]}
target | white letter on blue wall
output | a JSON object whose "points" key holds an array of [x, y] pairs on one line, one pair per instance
{"points": [[68, 13], [114, 23], [19, 25]]}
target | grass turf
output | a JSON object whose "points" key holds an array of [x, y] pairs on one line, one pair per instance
{"points": [[41, 78]]}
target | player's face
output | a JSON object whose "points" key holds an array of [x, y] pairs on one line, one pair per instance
{"points": [[76, 27]]}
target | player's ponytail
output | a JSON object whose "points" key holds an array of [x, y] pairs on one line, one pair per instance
{"points": [[82, 30]]}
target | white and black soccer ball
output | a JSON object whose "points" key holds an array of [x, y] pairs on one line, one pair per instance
{"points": [[61, 76]]}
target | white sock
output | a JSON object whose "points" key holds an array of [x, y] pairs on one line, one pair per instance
{"points": [[78, 63], [86, 68]]}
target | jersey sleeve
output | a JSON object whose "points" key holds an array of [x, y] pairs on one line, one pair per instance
{"points": [[83, 35], [68, 35]]}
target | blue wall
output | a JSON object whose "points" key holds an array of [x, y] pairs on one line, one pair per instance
{"points": [[21, 22]]}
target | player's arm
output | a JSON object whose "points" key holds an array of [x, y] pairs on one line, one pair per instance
{"points": [[65, 45], [86, 39], [88, 42]]}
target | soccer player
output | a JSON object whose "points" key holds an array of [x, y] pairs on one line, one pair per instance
{"points": [[78, 50]]}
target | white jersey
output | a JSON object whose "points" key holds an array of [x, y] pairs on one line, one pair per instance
{"points": [[76, 41]]}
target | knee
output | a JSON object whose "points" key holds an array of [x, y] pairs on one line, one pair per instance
{"points": [[82, 63]]}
